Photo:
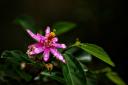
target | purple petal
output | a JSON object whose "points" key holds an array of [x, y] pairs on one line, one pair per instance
{"points": [[37, 45], [57, 45], [47, 31], [57, 54], [46, 55], [42, 38], [55, 39], [35, 49], [34, 36]]}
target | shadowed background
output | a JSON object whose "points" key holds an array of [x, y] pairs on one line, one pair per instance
{"points": [[101, 22]]}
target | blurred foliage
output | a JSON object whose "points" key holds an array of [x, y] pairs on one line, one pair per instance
{"points": [[17, 68], [62, 27], [27, 22], [10, 66]]}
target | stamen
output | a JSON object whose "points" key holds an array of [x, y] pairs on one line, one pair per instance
{"points": [[52, 34]]}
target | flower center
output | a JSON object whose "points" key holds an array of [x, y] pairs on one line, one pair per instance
{"points": [[51, 36], [48, 41]]}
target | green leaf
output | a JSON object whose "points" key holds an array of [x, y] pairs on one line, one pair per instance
{"points": [[53, 76], [84, 57], [80, 55], [26, 22], [23, 75], [85, 69], [91, 81], [96, 51], [73, 72], [115, 78], [12, 65], [16, 56], [62, 27]]}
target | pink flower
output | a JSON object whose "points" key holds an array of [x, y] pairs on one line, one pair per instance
{"points": [[45, 44]]}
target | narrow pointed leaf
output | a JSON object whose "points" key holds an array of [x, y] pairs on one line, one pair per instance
{"points": [[73, 72], [96, 51], [115, 78]]}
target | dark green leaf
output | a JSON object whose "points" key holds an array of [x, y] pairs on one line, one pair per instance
{"points": [[53, 76], [13, 60], [103, 70], [84, 57], [73, 72], [115, 78], [16, 56], [96, 51], [91, 81], [23, 75], [62, 27], [26, 22], [80, 55], [85, 69]]}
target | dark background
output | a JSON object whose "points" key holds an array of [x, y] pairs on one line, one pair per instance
{"points": [[102, 22]]}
